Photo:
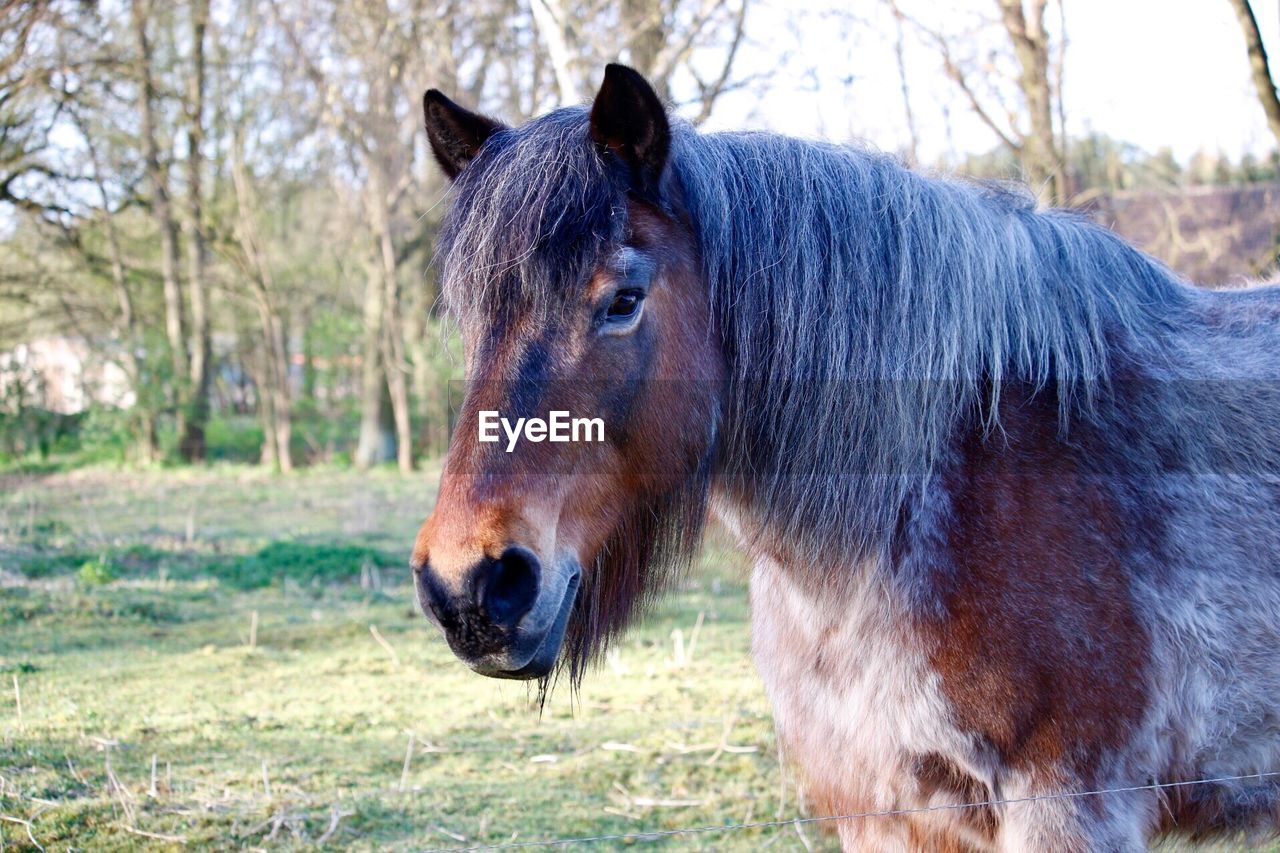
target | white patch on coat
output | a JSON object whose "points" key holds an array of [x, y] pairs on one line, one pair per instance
{"points": [[853, 701]]}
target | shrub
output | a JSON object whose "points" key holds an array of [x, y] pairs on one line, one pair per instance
{"points": [[304, 563], [96, 572]]}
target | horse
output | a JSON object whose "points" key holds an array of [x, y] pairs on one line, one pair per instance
{"points": [[1009, 488]]}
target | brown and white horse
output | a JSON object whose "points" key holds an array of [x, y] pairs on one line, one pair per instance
{"points": [[1011, 490]]}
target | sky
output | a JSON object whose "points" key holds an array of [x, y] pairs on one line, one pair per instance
{"points": [[1153, 73]]}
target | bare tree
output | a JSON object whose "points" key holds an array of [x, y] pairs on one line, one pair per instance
{"points": [[369, 102], [126, 327], [192, 441], [900, 55], [240, 168], [1030, 128], [663, 39], [1259, 65], [273, 385], [1040, 153], [23, 136], [161, 204], [58, 81]]}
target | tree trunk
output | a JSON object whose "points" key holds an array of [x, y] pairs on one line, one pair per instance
{"points": [[269, 456], [394, 361], [383, 342], [431, 386], [549, 18], [279, 352], [273, 389], [308, 394], [375, 444], [1041, 157], [192, 441], [1259, 65], [646, 37], [143, 417], [274, 397], [398, 391], [162, 210]]}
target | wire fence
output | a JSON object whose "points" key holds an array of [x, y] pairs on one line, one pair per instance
{"points": [[655, 835]]}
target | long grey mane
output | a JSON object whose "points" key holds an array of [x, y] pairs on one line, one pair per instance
{"points": [[864, 309]]}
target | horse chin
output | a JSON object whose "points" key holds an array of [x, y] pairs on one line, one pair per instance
{"points": [[539, 651]]}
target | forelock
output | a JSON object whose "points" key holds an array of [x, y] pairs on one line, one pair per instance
{"points": [[529, 217]]}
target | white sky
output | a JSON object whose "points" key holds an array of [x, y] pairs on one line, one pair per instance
{"points": [[1149, 72]]}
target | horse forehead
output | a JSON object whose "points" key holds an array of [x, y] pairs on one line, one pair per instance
{"points": [[528, 347]]}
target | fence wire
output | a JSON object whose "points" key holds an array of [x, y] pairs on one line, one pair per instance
{"points": [[654, 835]]}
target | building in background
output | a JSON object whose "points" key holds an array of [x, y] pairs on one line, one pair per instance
{"points": [[62, 375]]}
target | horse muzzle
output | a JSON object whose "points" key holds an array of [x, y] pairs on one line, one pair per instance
{"points": [[508, 620]]}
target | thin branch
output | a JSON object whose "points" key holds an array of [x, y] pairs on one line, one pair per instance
{"points": [[1011, 139], [710, 94]]}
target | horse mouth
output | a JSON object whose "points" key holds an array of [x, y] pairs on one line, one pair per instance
{"points": [[547, 649]]}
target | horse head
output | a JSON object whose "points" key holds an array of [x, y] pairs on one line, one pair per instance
{"points": [[574, 279]]}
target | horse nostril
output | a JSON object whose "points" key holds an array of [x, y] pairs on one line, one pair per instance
{"points": [[508, 586]]}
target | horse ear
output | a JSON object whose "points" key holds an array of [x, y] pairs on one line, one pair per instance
{"points": [[456, 134], [628, 119]]}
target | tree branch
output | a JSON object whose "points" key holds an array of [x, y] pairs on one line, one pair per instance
{"points": [[1259, 65], [1012, 139]]}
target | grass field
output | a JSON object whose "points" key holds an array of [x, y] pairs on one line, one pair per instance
{"points": [[230, 659], [221, 624]]}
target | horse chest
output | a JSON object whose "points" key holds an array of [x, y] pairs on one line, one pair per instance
{"points": [[855, 705]]}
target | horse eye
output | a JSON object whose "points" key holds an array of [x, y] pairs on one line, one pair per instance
{"points": [[624, 305]]}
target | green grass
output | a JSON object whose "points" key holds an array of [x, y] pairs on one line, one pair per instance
{"points": [[126, 609], [220, 623]]}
